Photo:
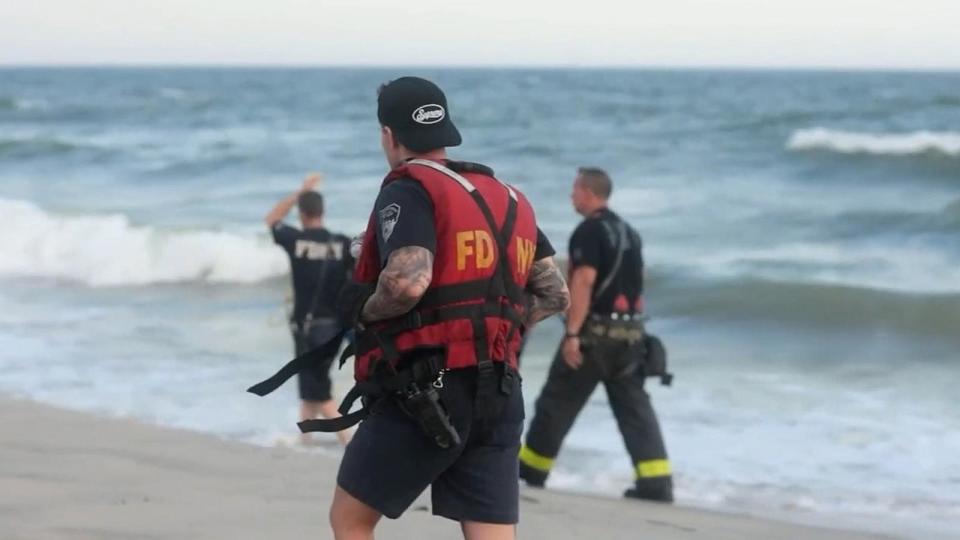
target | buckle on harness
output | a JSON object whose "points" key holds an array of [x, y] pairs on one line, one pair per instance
{"points": [[438, 384], [412, 320]]}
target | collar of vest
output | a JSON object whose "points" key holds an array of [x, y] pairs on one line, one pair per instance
{"points": [[462, 167]]}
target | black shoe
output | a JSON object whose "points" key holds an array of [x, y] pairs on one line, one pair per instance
{"points": [[533, 477], [654, 489]]}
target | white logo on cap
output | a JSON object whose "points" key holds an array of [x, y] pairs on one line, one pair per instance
{"points": [[429, 114]]}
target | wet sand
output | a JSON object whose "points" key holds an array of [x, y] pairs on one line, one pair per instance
{"points": [[70, 475]]}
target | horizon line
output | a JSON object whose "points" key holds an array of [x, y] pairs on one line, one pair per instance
{"points": [[505, 67]]}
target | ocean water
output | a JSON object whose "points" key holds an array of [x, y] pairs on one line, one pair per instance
{"points": [[802, 231]]}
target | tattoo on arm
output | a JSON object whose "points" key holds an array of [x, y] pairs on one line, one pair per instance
{"points": [[402, 284], [546, 291]]}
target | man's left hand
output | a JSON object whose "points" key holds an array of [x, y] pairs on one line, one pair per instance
{"points": [[571, 352]]}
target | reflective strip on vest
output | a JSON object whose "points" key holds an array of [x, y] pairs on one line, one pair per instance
{"points": [[457, 176], [445, 170]]}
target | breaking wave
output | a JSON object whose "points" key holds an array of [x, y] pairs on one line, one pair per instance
{"points": [[850, 142], [107, 250]]}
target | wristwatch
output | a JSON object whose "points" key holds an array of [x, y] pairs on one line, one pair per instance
{"points": [[568, 335]]}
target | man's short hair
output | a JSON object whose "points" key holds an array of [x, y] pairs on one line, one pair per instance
{"points": [[596, 181], [310, 203]]}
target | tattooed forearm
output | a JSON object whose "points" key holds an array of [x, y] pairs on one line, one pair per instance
{"points": [[547, 291], [403, 282]]}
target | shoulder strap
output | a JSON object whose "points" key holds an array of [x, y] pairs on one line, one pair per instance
{"points": [[621, 244], [298, 364], [467, 185], [325, 264]]}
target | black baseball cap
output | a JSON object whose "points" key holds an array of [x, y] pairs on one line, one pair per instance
{"points": [[416, 110]]}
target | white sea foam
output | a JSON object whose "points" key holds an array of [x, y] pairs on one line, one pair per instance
{"points": [[104, 250], [173, 93], [36, 104], [893, 144], [910, 268]]}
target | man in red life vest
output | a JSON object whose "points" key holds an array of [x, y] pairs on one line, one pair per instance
{"points": [[451, 270]]}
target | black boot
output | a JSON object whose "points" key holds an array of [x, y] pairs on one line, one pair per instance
{"points": [[652, 489], [533, 477]]}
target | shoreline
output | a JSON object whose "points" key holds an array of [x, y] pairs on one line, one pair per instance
{"points": [[71, 474]]}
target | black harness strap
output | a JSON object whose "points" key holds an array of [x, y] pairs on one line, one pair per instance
{"points": [[304, 326], [333, 425], [419, 372], [348, 351], [486, 384], [449, 294], [349, 419], [297, 365], [415, 320]]}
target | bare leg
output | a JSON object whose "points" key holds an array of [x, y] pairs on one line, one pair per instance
{"points": [[328, 409], [316, 409], [308, 411], [350, 518], [474, 530]]}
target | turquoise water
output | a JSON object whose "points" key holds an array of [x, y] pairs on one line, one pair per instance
{"points": [[802, 231]]}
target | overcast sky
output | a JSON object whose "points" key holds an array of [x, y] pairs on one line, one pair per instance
{"points": [[916, 34]]}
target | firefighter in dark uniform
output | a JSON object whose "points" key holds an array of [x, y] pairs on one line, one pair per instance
{"points": [[602, 343], [320, 265]]}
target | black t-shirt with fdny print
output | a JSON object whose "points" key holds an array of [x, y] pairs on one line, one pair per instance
{"points": [[310, 250]]}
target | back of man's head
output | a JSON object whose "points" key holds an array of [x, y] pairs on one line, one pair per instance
{"points": [[417, 114], [596, 181], [310, 204]]}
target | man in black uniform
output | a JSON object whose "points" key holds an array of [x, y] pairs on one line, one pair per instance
{"points": [[602, 343], [390, 461], [320, 264]]}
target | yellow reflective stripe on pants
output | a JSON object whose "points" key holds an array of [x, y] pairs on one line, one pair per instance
{"points": [[653, 468], [535, 460]]}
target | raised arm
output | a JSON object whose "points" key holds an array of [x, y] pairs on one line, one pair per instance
{"points": [[284, 205], [546, 290], [403, 282]]}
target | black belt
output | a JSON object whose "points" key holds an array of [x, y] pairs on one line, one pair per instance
{"points": [[622, 317], [297, 365]]}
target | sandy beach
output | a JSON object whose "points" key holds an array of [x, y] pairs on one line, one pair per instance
{"points": [[69, 475]]}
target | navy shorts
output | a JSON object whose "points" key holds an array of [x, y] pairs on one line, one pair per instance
{"points": [[389, 461], [314, 382]]}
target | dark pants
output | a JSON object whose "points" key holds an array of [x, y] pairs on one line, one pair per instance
{"points": [[565, 393], [314, 382]]}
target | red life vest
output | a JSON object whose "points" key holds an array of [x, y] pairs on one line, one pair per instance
{"points": [[486, 242]]}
